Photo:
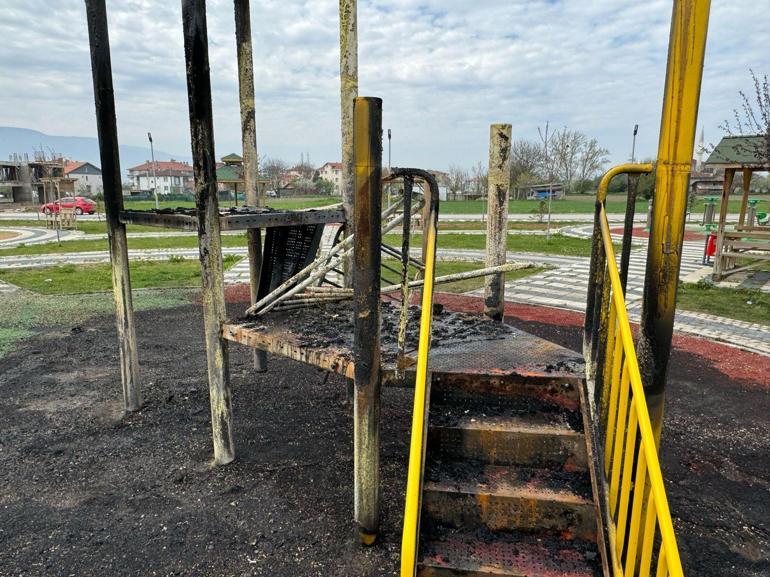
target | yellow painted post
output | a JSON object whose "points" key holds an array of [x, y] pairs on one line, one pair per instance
{"points": [[689, 25], [367, 114]]}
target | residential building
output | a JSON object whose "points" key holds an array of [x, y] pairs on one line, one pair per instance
{"points": [[332, 172], [173, 177], [87, 177]]}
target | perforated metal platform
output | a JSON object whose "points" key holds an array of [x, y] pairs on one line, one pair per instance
{"points": [[463, 344]]}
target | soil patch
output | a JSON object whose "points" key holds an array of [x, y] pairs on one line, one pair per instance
{"points": [[7, 235], [86, 491]]}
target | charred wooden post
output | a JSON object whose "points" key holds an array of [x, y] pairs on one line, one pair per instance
{"points": [[106, 126], [209, 241], [628, 229], [367, 114], [348, 92], [249, 145], [497, 221]]}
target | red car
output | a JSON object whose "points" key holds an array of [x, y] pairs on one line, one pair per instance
{"points": [[80, 204]]}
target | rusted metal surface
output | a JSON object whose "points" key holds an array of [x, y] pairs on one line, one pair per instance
{"points": [[348, 16], [465, 347], [367, 144], [106, 125], [209, 241], [497, 218]]}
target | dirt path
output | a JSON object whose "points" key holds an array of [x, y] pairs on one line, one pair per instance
{"points": [[85, 492]]}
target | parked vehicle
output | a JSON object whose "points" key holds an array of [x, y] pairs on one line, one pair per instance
{"points": [[80, 204]]}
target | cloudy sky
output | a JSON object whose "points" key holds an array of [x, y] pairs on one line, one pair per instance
{"points": [[445, 69]]}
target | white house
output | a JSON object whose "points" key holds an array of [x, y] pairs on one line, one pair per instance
{"points": [[173, 177], [332, 172], [87, 177]]}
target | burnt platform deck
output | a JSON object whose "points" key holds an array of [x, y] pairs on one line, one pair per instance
{"points": [[462, 344], [235, 218]]}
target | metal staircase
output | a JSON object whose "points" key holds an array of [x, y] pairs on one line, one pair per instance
{"points": [[507, 488]]}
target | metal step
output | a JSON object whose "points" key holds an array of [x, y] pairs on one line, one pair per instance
{"points": [[453, 552], [456, 388], [504, 437], [471, 495]]}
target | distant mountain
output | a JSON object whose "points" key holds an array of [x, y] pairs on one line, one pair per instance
{"points": [[86, 148]]}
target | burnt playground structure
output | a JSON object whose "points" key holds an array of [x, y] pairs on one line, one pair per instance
{"points": [[525, 458]]}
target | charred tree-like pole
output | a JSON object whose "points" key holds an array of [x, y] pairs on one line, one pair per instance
{"points": [[209, 241], [366, 299], [497, 221], [348, 92], [628, 229], [254, 195], [106, 126]]}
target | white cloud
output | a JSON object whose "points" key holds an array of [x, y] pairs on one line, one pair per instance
{"points": [[445, 69]]}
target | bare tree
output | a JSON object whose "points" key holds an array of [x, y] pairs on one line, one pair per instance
{"points": [[593, 158], [480, 178], [274, 168], [566, 147], [753, 120], [526, 164], [458, 179]]}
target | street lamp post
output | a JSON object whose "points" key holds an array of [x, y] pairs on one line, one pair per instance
{"points": [[154, 174], [633, 144], [389, 191]]}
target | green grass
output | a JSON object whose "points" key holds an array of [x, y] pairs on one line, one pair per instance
{"points": [[87, 245], [86, 226], [515, 225], [741, 304], [26, 312], [278, 203], [78, 279], [558, 244]]}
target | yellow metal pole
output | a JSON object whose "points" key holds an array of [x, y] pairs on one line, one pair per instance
{"points": [[419, 415], [689, 25]]}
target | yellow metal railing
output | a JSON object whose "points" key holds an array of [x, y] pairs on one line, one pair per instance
{"points": [[411, 530], [636, 510]]}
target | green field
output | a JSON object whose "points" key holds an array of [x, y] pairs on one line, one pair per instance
{"points": [[87, 245], [86, 226], [77, 279], [741, 304], [277, 203], [573, 204]]}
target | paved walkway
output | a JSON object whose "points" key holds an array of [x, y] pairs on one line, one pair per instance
{"points": [[564, 285]]}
